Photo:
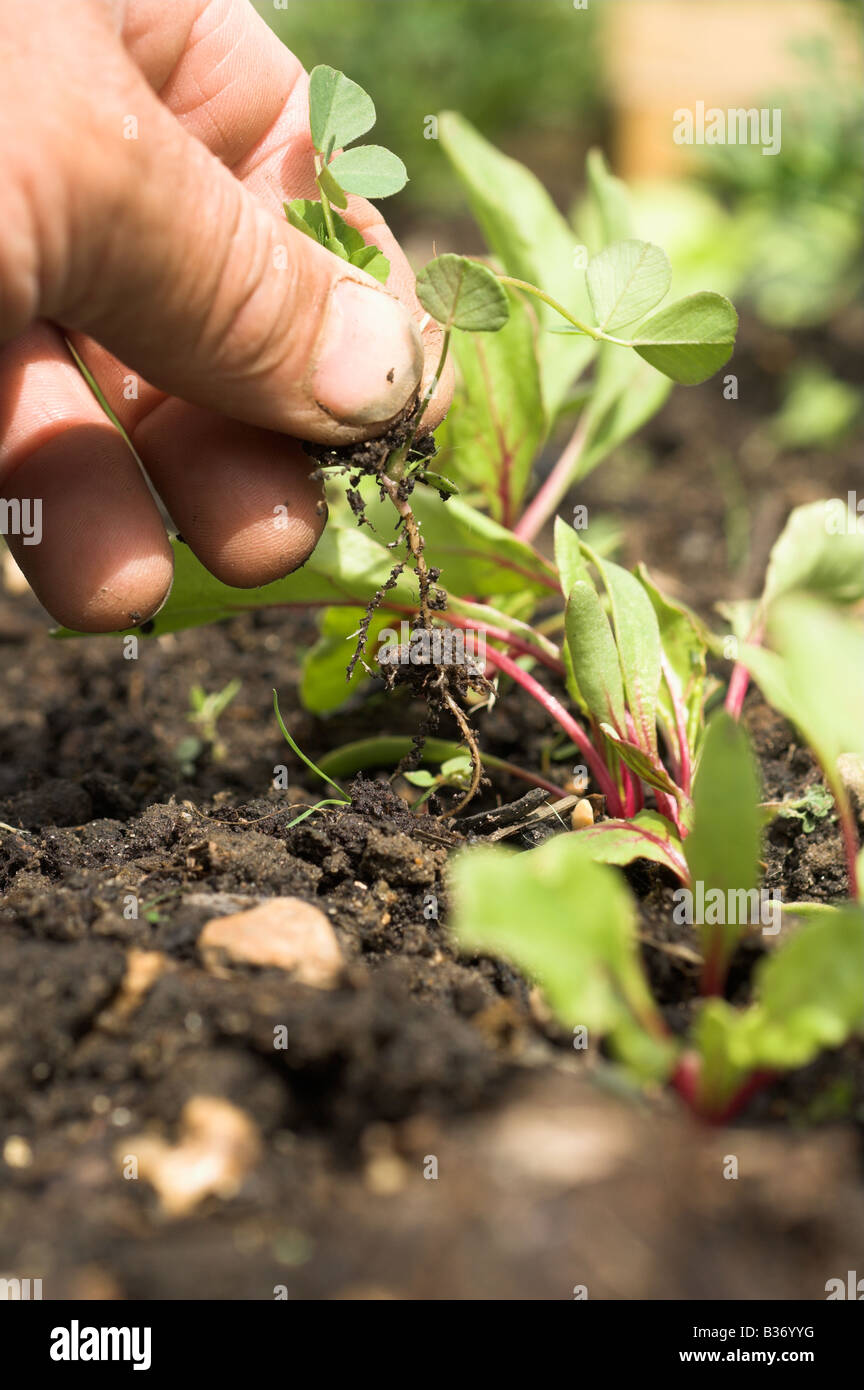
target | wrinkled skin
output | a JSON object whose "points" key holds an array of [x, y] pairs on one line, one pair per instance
{"points": [[148, 149]]}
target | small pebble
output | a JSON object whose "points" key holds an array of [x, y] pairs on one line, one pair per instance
{"points": [[17, 1153], [582, 815], [284, 932]]}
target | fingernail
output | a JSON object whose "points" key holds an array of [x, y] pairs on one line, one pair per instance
{"points": [[370, 356]]}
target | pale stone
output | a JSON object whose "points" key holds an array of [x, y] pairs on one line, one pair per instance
{"points": [[218, 1146], [284, 932], [143, 969], [582, 815]]}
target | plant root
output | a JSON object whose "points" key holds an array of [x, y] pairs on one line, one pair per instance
{"points": [[396, 463]]}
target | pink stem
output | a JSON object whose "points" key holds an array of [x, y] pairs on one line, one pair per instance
{"points": [[685, 1081], [629, 783], [684, 763], [574, 731], [849, 830], [500, 634], [668, 807], [740, 678], [541, 508], [738, 683]]}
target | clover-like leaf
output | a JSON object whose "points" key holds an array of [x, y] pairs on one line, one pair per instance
{"points": [[373, 261], [461, 293], [339, 109], [297, 220], [691, 339], [626, 281], [369, 170], [308, 217], [328, 185]]}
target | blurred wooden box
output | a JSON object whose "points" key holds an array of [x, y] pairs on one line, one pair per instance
{"points": [[662, 55]]}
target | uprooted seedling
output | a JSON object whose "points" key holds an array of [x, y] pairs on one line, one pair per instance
{"points": [[396, 465]]}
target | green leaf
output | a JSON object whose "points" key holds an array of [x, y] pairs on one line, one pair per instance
{"points": [[298, 221], [373, 261], [489, 616], [818, 411], [820, 550], [387, 752], [345, 798], [324, 685], [627, 392], [594, 655], [646, 765], [465, 294], [685, 648], [691, 339], [421, 778], [647, 836], [809, 996], [498, 422], [527, 233], [328, 185], [816, 805], [815, 675], [569, 559], [637, 635], [625, 281], [369, 170], [568, 922], [476, 554], [346, 566], [366, 753], [610, 198], [339, 110], [311, 215], [335, 245], [723, 848]]}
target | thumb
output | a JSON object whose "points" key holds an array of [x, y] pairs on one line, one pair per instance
{"points": [[159, 253]]}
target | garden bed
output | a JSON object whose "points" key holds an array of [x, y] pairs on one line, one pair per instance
{"points": [[548, 1175]]}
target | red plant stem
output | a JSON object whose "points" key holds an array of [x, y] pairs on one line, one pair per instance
{"points": [[574, 731], [755, 1081], [668, 807], [500, 634], [738, 683], [629, 783], [740, 678], [849, 830], [541, 508], [684, 762], [685, 1080], [714, 966]]}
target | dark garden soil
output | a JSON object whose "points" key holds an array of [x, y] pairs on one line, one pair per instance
{"points": [[548, 1175]]}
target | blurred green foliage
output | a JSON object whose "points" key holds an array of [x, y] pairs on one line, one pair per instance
{"points": [[513, 67], [797, 215]]}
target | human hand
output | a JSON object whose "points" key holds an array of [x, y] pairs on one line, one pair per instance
{"points": [[149, 148]]}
